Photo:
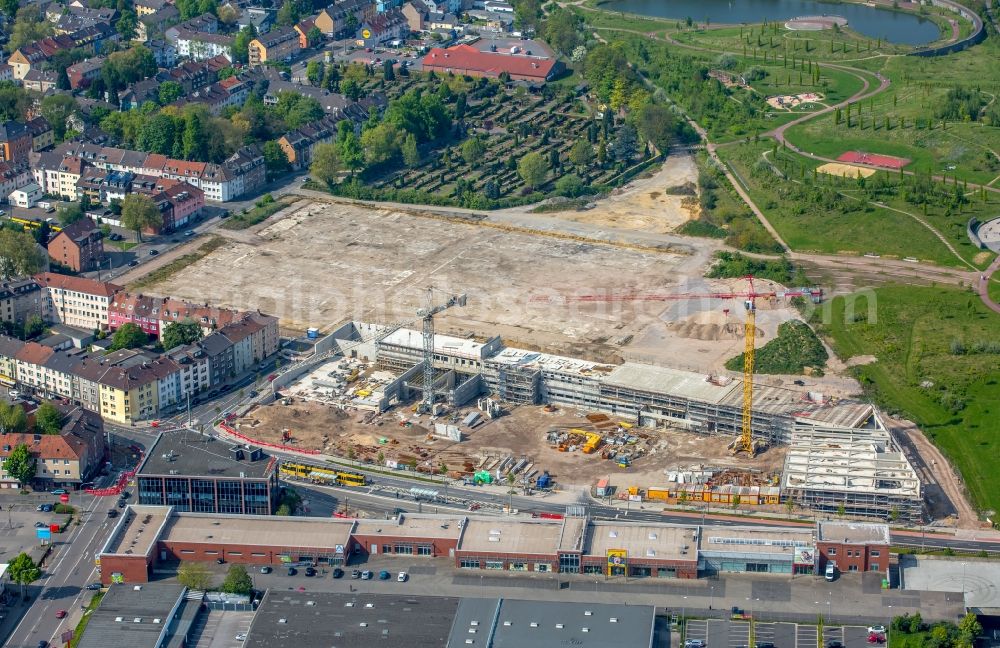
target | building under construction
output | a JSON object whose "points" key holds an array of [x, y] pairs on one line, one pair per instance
{"points": [[647, 396], [852, 472]]}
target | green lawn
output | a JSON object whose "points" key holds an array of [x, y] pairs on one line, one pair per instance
{"points": [[916, 333], [178, 264], [828, 223], [258, 214]]}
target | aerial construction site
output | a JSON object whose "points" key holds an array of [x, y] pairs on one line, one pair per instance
{"points": [[550, 347]]}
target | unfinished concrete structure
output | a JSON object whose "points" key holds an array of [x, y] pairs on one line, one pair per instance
{"points": [[856, 472], [840, 455]]}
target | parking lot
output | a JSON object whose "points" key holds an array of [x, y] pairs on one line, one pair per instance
{"points": [[736, 634]]}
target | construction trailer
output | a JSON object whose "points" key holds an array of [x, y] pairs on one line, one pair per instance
{"points": [[851, 472]]}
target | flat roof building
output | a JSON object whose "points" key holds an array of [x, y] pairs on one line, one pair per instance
{"points": [[288, 619], [509, 623], [192, 472], [154, 615]]}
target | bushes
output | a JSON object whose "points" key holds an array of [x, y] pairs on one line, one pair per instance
{"points": [[733, 264], [795, 348]]}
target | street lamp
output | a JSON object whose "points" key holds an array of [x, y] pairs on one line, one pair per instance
{"points": [[711, 596], [684, 608], [964, 565]]}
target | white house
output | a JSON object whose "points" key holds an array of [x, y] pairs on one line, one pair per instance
{"points": [[27, 196]]}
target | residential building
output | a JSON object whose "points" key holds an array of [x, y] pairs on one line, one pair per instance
{"points": [[46, 371], [299, 144], [35, 55], [64, 460], [209, 318], [219, 351], [303, 29], [207, 475], [127, 392], [82, 74], [260, 18], [12, 176], [15, 142], [141, 310], [443, 21], [26, 196], [150, 7], [337, 17], [415, 13], [384, 27], [39, 80], [19, 300], [202, 45], [194, 372], [42, 135], [179, 202], [165, 53], [70, 170], [79, 246], [73, 19], [279, 44], [76, 301], [9, 348], [467, 60]]}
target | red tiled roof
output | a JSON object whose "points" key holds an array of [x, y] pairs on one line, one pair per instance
{"points": [[466, 57], [76, 284]]}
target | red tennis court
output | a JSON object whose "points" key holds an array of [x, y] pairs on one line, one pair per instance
{"points": [[874, 159]]}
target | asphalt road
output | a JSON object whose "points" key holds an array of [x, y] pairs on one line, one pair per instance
{"points": [[70, 567]]}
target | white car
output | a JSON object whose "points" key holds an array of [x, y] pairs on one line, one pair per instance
{"points": [[694, 643], [402, 577], [241, 636], [877, 629]]}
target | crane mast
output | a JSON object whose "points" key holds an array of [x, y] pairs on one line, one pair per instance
{"points": [[427, 331], [750, 336]]}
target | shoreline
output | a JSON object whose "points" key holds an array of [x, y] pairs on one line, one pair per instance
{"points": [[877, 5]]}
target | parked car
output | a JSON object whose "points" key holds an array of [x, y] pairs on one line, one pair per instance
{"points": [[356, 573], [292, 571], [384, 575], [338, 572], [59, 491], [43, 644], [94, 586], [402, 577], [241, 636], [112, 513], [189, 233], [763, 644], [835, 644], [266, 570], [310, 572], [39, 525], [61, 614], [44, 508], [153, 253], [878, 629], [133, 264], [876, 638], [694, 643], [366, 575]]}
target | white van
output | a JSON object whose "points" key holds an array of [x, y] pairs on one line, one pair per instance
{"points": [[831, 571]]}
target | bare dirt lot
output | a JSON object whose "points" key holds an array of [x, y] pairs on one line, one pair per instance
{"points": [[402, 436], [324, 263]]}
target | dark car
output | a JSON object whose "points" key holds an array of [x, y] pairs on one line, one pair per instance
{"points": [[834, 644], [122, 504], [265, 570], [94, 586], [43, 644], [310, 572], [46, 508], [292, 571], [133, 264], [338, 573], [39, 525], [356, 573], [763, 644], [126, 495], [384, 575]]}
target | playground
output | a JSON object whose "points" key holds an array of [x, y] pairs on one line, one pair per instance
{"points": [[874, 159], [787, 102]]}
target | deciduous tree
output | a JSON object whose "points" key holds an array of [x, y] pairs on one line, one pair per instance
{"points": [[194, 575], [128, 336], [13, 420], [23, 569], [20, 464], [48, 420], [139, 213], [178, 333], [326, 165], [237, 581], [533, 168], [19, 255]]}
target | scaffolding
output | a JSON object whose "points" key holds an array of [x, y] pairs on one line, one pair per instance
{"points": [[859, 472]]}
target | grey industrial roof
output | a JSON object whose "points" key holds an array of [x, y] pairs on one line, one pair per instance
{"points": [[132, 616], [853, 532], [326, 620], [196, 455], [541, 624]]}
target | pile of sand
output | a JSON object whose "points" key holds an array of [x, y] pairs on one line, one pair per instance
{"points": [[709, 325]]}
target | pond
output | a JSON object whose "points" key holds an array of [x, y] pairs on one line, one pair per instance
{"points": [[894, 26]]}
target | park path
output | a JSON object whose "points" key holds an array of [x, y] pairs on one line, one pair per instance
{"points": [[984, 286]]}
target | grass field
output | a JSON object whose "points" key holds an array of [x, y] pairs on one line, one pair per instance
{"points": [[916, 334], [821, 222], [178, 264], [260, 212]]}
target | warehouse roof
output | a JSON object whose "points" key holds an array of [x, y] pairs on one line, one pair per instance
{"points": [[853, 532], [287, 619], [506, 623], [642, 541], [199, 455], [278, 532], [134, 616], [511, 536]]}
